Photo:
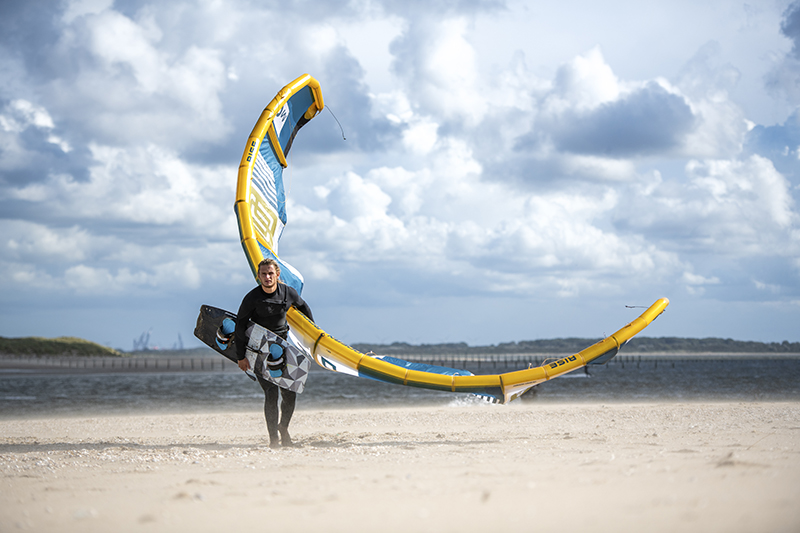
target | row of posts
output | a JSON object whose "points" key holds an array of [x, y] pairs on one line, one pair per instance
{"points": [[484, 363], [114, 364]]}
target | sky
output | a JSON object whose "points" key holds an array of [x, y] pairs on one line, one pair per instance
{"points": [[504, 171]]}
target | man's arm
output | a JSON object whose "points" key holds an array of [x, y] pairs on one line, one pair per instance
{"points": [[246, 310], [303, 307]]}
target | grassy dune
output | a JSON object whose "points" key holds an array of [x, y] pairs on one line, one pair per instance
{"points": [[57, 346]]}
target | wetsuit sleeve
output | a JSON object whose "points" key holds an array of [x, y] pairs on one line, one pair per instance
{"points": [[302, 306], [246, 310]]}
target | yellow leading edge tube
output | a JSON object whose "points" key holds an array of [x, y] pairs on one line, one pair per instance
{"points": [[511, 384], [265, 127]]}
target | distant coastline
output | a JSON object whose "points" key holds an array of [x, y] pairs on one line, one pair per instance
{"points": [[661, 345], [72, 346]]}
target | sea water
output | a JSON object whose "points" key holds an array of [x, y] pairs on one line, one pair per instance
{"points": [[33, 394]]}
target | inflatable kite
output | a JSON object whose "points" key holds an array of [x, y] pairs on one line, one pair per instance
{"points": [[261, 212]]}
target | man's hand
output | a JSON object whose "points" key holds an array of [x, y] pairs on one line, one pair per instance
{"points": [[244, 364]]}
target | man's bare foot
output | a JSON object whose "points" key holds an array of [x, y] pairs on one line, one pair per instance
{"points": [[286, 440]]}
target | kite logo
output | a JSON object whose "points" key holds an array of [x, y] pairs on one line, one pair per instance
{"points": [[327, 364], [265, 219], [280, 120], [562, 362], [251, 150]]}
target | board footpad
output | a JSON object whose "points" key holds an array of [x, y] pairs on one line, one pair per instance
{"points": [[225, 333]]}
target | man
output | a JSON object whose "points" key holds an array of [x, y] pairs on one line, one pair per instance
{"points": [[266, 305]]}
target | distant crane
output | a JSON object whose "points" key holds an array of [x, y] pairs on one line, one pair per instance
{"points": [[143, 342]]}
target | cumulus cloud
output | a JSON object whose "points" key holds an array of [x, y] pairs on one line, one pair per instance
{"points": [[780, 143], [696, 284], [36, 259], [448, 220], [121, 126], [442, 75], [785, 77], [648, 120], [144, 185], [79, 8], [589, 111], [583, 84], [18, 116], [144, 91], [721, 124], [37, 243], [737, 208]]}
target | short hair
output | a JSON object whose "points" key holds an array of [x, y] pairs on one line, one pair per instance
{"points": [[267, 262]]}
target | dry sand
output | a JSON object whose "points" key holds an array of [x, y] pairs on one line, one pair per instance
{"points": [[723, 467]]}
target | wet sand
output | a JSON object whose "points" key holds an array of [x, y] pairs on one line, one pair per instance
{"points": [[723, 467]]}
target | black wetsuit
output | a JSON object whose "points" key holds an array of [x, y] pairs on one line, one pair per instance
{"points": [[269, 311]]}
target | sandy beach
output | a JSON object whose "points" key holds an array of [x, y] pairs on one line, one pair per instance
{"points": [[723, 467]]}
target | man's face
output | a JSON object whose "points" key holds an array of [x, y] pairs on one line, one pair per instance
{"points": [[268, 278]]}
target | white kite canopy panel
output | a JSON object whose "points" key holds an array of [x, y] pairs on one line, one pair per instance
{"points": [[261, 212]]}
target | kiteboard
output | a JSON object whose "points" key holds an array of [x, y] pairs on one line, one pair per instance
{"points": [[281, 361]]}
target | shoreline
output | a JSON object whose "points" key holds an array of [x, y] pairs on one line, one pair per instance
{"points": [[727, 466], [254, 407]]}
